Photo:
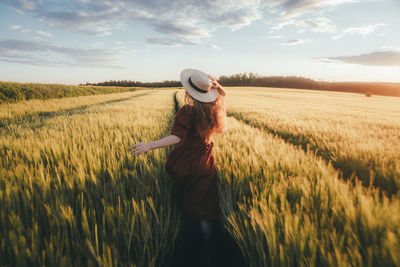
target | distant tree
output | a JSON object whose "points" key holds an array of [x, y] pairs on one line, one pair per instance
{"points": [[254, 79]]}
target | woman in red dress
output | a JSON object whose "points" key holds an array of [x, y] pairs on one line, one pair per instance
{"points": [[191, 162]]}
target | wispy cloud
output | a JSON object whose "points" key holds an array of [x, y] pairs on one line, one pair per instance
{"points": [[183, 19], [37, 53], [314, 24], [23, 4], [189, 20], [43, 33], [388, 58], [271, 37], [293, 42], [295, 8], [214, 46], [15, 27], [167, 41], [364, 30], [182, 29], [30, 31], [304, 15]]}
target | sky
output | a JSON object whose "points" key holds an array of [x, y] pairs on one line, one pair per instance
{"points": [[79, 41]]}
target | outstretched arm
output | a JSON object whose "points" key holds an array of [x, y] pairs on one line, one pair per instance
{"points": [[141, 148]]}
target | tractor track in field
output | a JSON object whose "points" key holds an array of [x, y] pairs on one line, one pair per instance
{"points": [[307, 144], [38, 120]]}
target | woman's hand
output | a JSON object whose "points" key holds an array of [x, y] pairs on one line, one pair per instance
{"points": [[214, 82], [140, 148], [216, 85]]}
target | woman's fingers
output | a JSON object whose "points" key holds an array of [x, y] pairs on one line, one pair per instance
{"points": [[135, 145], [138, 149], [137, 153], [135, 148]]}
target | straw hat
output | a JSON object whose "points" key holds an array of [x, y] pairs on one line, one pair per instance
{"points": [[198, 85]]}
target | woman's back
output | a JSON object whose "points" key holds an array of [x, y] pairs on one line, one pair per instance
{"points": [[191, 162]]}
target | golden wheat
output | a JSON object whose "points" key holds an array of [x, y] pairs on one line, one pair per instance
{"points": [[359, 135], [71, 194], [287, 207]]}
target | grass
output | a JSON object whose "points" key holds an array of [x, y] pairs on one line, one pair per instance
{"points": [[287, 207], [71, 194], [16, 92], [359, 135]]}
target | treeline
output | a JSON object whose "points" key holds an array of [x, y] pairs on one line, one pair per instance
{"points": [[126, 83], [14, 92], [251, 79]]}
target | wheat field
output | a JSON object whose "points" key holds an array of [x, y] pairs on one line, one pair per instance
{"points": [[307, 178]]}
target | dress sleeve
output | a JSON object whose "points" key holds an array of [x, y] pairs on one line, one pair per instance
{"points": [[182, 122]]}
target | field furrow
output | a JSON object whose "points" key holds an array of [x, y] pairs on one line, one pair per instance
{"points": [[287, 207], [38, 111], [72, 195], [359, 138]]}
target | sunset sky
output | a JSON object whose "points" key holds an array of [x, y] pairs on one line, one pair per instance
{"points": [[81, 41]]}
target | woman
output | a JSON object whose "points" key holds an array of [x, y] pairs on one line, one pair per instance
{"points": [[191, 162]]}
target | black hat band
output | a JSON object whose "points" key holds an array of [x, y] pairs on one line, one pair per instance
{"points": [[196, 88]]}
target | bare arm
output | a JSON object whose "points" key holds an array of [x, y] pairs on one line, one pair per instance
{"points": [[141, 148]]}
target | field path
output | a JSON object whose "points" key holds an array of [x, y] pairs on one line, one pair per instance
{"points": [[38, 119], [72, 194], [358, 136]]}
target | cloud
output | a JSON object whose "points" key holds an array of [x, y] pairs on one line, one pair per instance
{"points": [[38, 32], [23, 4], [26, 31], [388, 58], [234, 14], [214, 46], [316, 24], [364, 30], [164, 41], [90, 22], [38, 53], [274, 37], [295, 8], [43, 33], [305, 15], [15, 27], [183, 30], [186, 19], [293, 42]]}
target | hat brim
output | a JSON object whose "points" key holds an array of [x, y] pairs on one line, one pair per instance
{"points": [[210, 96]]}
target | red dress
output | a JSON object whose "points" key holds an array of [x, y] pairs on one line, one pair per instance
{"points": [[191, 162]]}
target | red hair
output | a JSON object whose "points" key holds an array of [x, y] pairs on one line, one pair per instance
{"points": [[210, 117]]}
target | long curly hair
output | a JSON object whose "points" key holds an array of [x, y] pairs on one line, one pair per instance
{"points": [[210, 117]]}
